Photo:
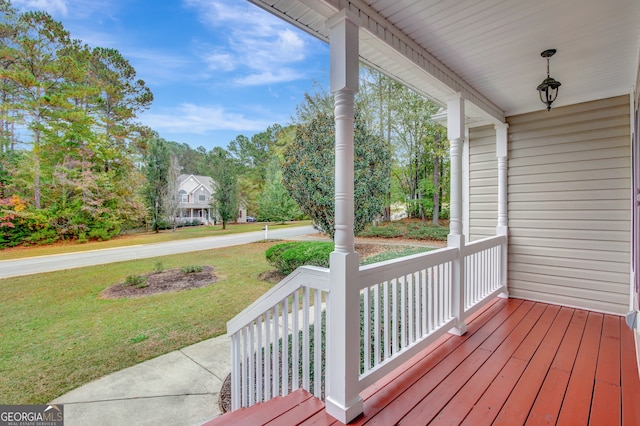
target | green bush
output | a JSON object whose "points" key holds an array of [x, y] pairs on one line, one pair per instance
{"points": [[104, 233], [137, 281], [428, 233], [413, 230], [287, 257], [387, 230], [394, 254], [191, 269]]}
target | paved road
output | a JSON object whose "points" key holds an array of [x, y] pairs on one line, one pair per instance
{"points": [[35, 265]]}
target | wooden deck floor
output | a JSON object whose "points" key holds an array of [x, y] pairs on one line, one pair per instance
{"points": [[519, 363]]}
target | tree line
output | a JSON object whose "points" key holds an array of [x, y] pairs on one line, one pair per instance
{"points": [[76, 164]]}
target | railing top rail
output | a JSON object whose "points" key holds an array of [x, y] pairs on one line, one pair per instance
{"points": [[483, 244], [390, 269], [305, 276]]}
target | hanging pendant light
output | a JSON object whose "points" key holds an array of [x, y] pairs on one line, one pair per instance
{"points": [[549, 87]]}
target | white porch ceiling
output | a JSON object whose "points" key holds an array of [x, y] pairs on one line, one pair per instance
{"points": [[490, 49]]}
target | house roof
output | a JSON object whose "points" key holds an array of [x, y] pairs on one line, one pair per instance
{"points": [[490, 49], [192, 183]]}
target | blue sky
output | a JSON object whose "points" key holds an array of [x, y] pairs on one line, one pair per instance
{"points": [[217, 68]]}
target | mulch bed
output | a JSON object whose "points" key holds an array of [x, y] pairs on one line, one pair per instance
{"points": [[163, 282]]}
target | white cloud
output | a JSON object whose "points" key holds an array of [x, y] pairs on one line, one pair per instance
{"points": [[269, 77], [53, 7], [220, 61], [68, 8], [265, 47], [159, 67], [197, 119]]}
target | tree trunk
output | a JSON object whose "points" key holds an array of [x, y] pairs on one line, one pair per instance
{"points": [[36, 171], [436, 192]]}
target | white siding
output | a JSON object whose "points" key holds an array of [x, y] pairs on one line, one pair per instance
{"points": [[483, 183], [569, 208]]}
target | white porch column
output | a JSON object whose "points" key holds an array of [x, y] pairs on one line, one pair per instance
{"points": [[503, 213], [343, 320], [501, 153], [455, 133]]}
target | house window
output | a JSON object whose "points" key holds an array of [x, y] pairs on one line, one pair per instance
{"points": [[202, 198], [184, 198]]}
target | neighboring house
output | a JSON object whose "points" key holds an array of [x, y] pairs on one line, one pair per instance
{"points": [[544, 209], [195, 194], [242, 212]]}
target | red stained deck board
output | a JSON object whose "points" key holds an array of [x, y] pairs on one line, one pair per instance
{"points": [[262, 413], [572, 372], [322, 418], [487, 408], [605, 406], [299, 413], [404, 377], [566, 356], [460, 404], [609, 355], [431, 405], [518, 406], [475, 321], [577, 404], [547, 405], [396, 409], [630, 379]]}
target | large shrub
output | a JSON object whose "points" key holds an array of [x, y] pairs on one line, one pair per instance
{"points": [[309, 169], [287, 257]]}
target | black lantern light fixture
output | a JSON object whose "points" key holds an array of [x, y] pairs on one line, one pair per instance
{"points": [[549, 87]]}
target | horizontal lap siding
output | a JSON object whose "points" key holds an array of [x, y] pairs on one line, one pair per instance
{"points": [[483, 183], [569, 209]]}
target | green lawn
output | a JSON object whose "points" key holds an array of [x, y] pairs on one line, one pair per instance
{"points": [[57, 333], [142, 238]]}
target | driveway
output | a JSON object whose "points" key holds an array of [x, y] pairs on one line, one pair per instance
{"points": [[36, 265]]}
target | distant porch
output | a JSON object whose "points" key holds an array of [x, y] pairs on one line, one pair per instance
{"points": [[191, 214]]}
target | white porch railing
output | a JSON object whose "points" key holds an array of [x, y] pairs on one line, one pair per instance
{"points": [[405, 304], [276, 343], [485, 271], [409, 305]]}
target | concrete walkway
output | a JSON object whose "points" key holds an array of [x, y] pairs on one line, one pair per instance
{"points": [[179, 388]]}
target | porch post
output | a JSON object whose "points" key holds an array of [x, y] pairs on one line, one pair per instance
{"points": [[503, 213], [343, 316], [455, 133], [501, 153]]}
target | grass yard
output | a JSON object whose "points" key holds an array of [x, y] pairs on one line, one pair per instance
{"points": [[142, 238], [57, 334]]}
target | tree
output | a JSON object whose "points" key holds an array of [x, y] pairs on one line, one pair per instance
{"points": [[117, 98], [8, 91], [414, 137], [276, 205], [252, 157], [223, 173], [308, 172], [171, 196], [38, 70], [157, 167]]}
